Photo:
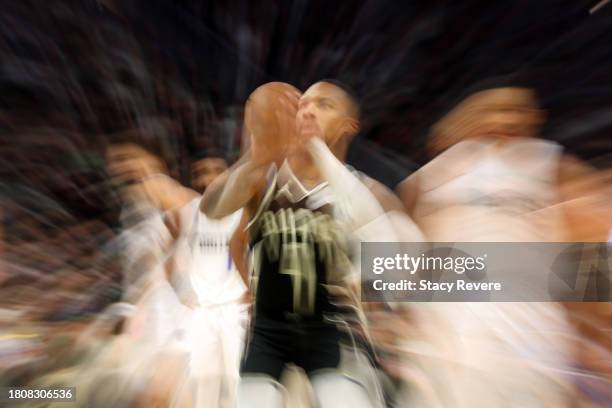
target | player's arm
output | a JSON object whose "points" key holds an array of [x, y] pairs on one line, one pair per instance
{"points": [[386, 198], [584, 198], [345, 185], [239, 248], [234, 189], [408, 192], [405, 228], [176, 263], [147, 177], [368, 215], [169, 194]]}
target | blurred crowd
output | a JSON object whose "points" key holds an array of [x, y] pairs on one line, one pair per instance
{"points": [[103, 136]]}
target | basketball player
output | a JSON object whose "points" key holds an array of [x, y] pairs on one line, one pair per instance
{"points": [[300, 206], [146, 240], [493, 180], [209, 281], [194, 266]]}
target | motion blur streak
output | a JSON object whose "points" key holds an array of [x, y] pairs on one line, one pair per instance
{"points": [[491, 121]]}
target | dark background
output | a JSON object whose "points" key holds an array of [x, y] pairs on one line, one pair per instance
{"points": [[73, 74]]}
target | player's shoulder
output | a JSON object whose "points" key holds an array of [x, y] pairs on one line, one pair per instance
{"points": [[228, 220], [387, 198], [191, 209]]}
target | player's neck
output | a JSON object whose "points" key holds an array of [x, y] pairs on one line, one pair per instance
{"points": [[340, 150], [304, 169]]}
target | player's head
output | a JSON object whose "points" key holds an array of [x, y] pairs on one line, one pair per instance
{"points": [[206, 169], [330, 110], [129, 162], [495, 112]]}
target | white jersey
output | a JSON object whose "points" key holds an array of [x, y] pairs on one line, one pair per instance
{"points": [[493, 353], [145, 243], [204, 263], [203, 256], [479, 191]]}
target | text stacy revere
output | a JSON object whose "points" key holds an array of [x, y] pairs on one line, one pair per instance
{"points": [[427, 285]]}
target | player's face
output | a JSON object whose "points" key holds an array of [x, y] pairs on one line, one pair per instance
{"points": [[323, 111], [129, 163], [502, 112], [206, 170]]}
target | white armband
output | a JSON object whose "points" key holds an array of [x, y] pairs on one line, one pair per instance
{"points": [[355, 199]]}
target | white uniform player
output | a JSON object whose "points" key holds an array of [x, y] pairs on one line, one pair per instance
{"points": [[146, 244], [491, 189], [188, 291], [480, 192], [215, 337]]}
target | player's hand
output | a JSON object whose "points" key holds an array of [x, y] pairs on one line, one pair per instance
{"points": [[247, 301], [270, 119], [266, 151]]}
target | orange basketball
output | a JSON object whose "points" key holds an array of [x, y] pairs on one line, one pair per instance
{"points": [[270, 119]]}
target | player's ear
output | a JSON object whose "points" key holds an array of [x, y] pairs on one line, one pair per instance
{"points": [[354, 127], [347, 127]]}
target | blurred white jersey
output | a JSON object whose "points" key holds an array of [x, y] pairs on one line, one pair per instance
{"points": [[144, 243], [204, 268], [203, 257], [493, 354], [481, 191], [159, 318]]}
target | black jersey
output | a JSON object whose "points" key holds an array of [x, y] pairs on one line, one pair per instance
{"points": [[298, 247]]}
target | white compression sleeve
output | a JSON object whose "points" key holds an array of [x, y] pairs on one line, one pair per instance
{"points": [[365, 215]]}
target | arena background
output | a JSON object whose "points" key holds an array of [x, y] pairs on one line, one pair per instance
{"points": [[73, 74]]}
